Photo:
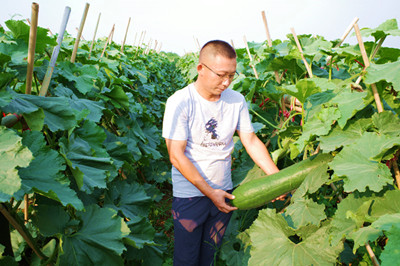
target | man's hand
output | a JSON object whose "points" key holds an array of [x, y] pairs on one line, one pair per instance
{"points": [[281, 197], [218, 197]]}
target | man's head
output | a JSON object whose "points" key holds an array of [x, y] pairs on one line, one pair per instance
{"points": [[217, 48], [216, 68]]}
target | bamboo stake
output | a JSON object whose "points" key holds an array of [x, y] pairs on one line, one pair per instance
{"points": [[56, 50], [94, 35], [79, 33], [29, 74], [397, 173], [301, 52], [148, 46], [266, 28], [155, 45], [159, 48], [196, 41], [77, 30], [233, 45], [396, 169], [109, 36], [344, 36], [251, 59], [32, 47], [371, 254], [134, 41], [26, 208], [277, 77], [126, 33], [366, 64]]}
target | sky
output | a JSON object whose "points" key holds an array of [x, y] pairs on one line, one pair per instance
{"points": [[182, 26]]}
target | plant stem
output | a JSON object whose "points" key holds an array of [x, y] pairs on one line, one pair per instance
{"points": [[265, 120], [22, 230]]}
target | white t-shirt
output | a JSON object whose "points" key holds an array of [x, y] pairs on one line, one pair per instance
{"points": [[208, 128]]}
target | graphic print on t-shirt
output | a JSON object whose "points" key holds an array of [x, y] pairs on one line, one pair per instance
{"points": [[211, 127], [211, 137]]}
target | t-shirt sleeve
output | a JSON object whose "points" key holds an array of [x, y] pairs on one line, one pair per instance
{"points": [[175, 125], [244, 123]]}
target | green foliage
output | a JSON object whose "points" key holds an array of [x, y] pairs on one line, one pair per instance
{"points": [[88, 155], [320, 225], [91, 157]]}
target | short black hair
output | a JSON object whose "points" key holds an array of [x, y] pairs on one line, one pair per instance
{"points": [[218, 47]]}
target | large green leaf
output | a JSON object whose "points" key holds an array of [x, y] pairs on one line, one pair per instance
{"points": [[272, 245], [388, 204], [45, 174], [57, 112], [21, 31], [306, 211], [339, 137], [387, 123], [87, 158], [130, 199], [388, 72], [318, 125], [342, 225], [12, 155], [349, 103], [360, 171], [391, 225], [389, 27], [97, 240], [388, 224], [84, 76], [86, 108], [116, 96], [302, 90], [142, 233]]}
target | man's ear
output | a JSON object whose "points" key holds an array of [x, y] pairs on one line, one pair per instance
{"points": [[199, 68]]}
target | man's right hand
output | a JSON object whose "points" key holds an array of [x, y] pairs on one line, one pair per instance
{"points": [[218, 197]]}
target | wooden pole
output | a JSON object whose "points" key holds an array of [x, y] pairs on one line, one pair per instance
{"points": [[78, 37], [112, 36], [56, 50], [251, 59], [196, 41], [301, 52], [77, 30], [159, 48], [277, 77], [366, 64], [94, 35], [155, 45], [142, 39], [233, 45], [266, 28], [126, 33], [134, 41], [32, 47], [29, 75], [109, 36], [344, 36]]}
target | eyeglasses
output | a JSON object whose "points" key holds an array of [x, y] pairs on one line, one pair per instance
{"points": [[223, 77]]}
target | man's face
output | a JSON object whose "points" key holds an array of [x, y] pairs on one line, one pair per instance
{"points": [[217, 73]]}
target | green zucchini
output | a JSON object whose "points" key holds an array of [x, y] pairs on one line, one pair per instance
{"points": [[258, 192]]}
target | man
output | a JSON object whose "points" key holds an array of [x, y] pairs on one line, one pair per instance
{"points": [[199, 123]]}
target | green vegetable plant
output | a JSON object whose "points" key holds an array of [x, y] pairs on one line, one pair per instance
{"points": [[346, 206]]}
